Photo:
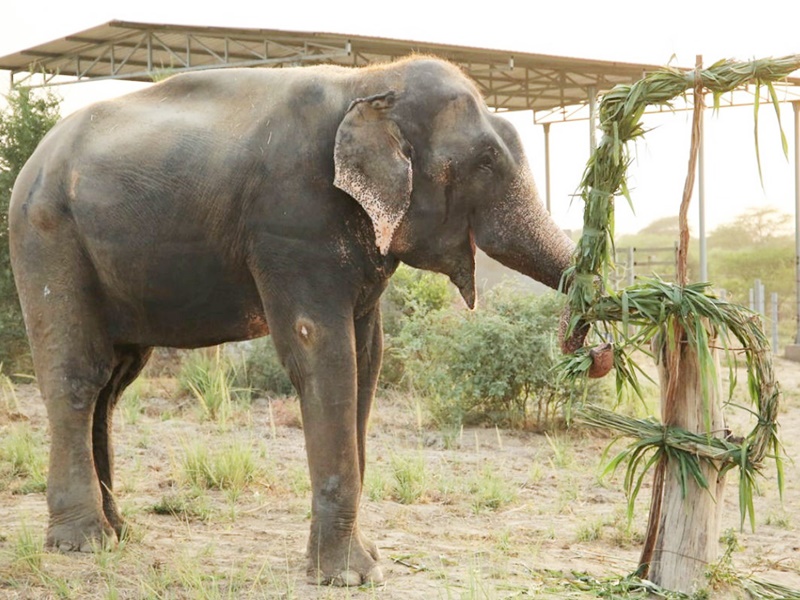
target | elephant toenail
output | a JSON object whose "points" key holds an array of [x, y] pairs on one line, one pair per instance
{"points": [[348, 578], [375, 576]]}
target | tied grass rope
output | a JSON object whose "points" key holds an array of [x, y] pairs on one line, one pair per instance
{"points": [[656, 306]]}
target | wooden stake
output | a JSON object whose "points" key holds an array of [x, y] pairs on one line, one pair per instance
{"points": [[689, 525], [684, 525]]}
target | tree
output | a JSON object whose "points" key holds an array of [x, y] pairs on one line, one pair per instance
{"points": [[26, 120], [755, 226], [665, 227]]}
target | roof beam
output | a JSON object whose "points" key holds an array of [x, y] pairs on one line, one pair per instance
{"points": [[145, 51]]}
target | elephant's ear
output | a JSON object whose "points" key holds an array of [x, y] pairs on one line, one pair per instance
{"points": [[373, 164]]}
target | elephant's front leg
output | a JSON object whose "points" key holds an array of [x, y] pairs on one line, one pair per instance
{"points": [[320, 354]]}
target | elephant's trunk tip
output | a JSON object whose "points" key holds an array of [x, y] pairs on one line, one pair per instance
{"points": [[575, 340], [602, 355]]}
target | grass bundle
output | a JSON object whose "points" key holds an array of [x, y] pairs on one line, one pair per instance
{"points": [[620, 114], [659, 309], [635, 587], [652, 305]]}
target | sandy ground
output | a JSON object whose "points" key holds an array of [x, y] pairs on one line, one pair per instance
{"points": [[563, 517]]}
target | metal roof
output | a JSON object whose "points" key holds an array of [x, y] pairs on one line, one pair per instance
{"points": [[141, 51], [554, 87]]}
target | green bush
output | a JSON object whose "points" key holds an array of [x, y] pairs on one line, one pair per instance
{"points": [[412, 294], [213, 377], [491, 366], [261, 370]]}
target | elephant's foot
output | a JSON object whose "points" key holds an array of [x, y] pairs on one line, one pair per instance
{"points": [[84, 535], [353, 562]]}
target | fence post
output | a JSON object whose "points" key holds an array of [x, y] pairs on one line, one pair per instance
{"points": [[759, 296], [631, 270], [774, 299]]}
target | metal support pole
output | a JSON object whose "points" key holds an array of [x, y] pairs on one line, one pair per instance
{"points": [[149, 52], [547, 167], [592, 118], [796, 107], [774, 302]]}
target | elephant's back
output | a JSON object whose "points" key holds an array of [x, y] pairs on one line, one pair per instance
{"points": [[197, 141]]}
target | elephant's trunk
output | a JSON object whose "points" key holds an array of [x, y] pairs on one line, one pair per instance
{"points": [[518, 232]]}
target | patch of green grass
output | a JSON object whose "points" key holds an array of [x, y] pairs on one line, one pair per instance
{"points": [[503, 542], [231, 468], [157, 580], [568, 491], [409, 478], [195, 465], [298, 480], [208, 376], [535, 473], [132, 401], [376, 485], [184, 505], [23, 457], [562, 456], [450, 484], [490, 491], [234, 468], [8, 396], [589, 532], [27, 550], [625, 534], [722, 573], [779, 519]]}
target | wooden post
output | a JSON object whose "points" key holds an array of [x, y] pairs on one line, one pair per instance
{"points": [[684, 526], [688, 529]]}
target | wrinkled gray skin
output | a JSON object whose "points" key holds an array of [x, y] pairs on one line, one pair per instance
{"points": [[226, 205]]}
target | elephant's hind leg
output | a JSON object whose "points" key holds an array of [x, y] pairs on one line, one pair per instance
{"points": [[128, 363], [71, 385], [74, 362]]}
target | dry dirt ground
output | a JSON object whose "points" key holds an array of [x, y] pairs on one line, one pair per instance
{"points": [[499, 514]]}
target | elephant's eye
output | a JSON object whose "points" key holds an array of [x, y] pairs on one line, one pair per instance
{"points": [[486, 160]]}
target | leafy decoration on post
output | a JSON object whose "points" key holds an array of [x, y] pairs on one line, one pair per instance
{"points": [[663, 311]]}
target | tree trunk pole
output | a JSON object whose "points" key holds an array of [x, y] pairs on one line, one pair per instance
{"points": [[689, 525], [684, 525]]}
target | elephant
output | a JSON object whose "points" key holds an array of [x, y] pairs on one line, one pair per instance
{"points": [[225, 205]]}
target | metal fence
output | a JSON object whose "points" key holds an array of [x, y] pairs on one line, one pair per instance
{"points": [[635, 261]]}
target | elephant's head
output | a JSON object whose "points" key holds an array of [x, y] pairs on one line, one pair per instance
{"points": [[438, 174]]}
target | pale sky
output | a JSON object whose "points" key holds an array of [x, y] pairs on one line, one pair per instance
{"points": [[623, 30]]}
